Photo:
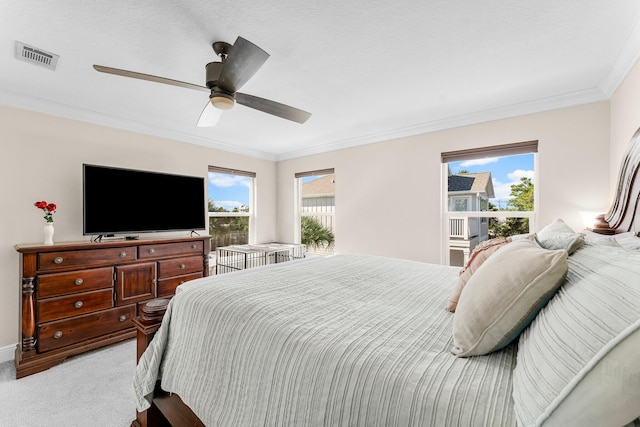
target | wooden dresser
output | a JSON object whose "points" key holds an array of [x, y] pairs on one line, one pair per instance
{"points": [[83, 295]]}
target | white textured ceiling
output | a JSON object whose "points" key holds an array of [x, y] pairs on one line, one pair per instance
{"points": [[367, 70]]}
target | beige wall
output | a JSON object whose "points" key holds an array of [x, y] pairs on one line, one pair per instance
{"points": [[41, 157], [388, 194]]}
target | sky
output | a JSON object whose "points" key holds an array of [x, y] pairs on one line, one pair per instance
{"points": [[229, 191], [505, 171], [232, 191]]}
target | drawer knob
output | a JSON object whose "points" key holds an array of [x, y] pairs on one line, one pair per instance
{"points": [[123, 254], [123, 318], [152, 251], [193, 246], [182, 266], [78, 304], [58, 260], [57, 335], [79, 281]]}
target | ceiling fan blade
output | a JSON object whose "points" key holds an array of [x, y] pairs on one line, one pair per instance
{"points": [[243, 61], [149, 77], [209, 116], [272, 107]]}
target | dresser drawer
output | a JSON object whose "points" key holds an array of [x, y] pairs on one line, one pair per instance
{"points": [[51, 261], [167, 287], [171, 249], [71, 331], [55, 284], [73, 305], [180, 266]]}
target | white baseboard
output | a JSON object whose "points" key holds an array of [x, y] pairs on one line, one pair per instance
{"points": [[7, 353]]}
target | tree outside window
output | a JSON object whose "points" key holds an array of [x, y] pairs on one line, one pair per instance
{"points": [[230, 195], [521, 199]]}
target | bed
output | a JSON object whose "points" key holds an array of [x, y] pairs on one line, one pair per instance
{"points": [[357, 340]]}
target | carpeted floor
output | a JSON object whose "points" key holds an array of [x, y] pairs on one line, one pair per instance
{"points": [[92, 389]]}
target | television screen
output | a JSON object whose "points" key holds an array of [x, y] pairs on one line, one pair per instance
{"points": [[127, 201]]}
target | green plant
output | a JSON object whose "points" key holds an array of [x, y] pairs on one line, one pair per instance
{"points": [[315, 234]]}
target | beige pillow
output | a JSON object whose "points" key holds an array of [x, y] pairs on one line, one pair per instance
{"points": [[504, 295], [479, 255]]}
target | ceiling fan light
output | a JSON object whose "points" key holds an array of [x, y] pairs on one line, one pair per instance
{"points": [[222, 102]]}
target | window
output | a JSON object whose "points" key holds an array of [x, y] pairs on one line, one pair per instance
{"points": [[499, 180], [459, 204], [315, 211], [231, 195]]}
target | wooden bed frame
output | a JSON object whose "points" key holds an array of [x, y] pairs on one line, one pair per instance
{"points": [[169, 410]]}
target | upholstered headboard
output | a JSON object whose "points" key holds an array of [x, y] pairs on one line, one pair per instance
{"points": [[624, 213]]}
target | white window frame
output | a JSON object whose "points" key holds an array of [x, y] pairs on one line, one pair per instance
{"points": [[297, 208], [529, 147], [252, 201]]}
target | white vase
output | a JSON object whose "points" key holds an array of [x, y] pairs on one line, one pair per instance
{"points": [[48, 233]]}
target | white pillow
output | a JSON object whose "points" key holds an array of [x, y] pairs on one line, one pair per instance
{"points": [[578, 363], [557, 226], [567, 241], [628, 240], [604, 241], [595, 399], [558, 235]]}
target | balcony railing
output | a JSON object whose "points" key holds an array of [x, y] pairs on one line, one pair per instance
{"points": [[469, 228], [464, 228]]}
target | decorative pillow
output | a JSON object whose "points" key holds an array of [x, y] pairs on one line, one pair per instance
{"points": [[519, 236], [578, 363], [479, 255], [557, 226], [504, 295], [603, 241], [628, 240], [567, 241], [558, 235]]}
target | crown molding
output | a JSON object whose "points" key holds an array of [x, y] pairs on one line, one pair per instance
{"points": [[70, 112], [505, 112], [625, 60], [509, 111]]}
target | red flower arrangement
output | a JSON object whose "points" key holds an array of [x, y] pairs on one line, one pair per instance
{"points": [[48, 208]]}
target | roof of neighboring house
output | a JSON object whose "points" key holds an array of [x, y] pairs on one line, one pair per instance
{"points": [[325, 185], [480, 182]]}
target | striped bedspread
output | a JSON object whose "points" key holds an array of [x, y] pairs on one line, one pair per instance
{"points": [[348, 340]]}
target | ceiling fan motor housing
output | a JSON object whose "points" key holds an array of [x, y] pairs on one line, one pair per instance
{"points": [[212, 70], [220, 98]]}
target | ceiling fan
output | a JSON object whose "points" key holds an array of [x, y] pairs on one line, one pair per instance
{"points": [[238, 63]]}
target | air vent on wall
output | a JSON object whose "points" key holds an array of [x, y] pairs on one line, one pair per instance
{"points": [[33, 55]]}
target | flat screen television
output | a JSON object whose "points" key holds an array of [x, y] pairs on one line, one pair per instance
{"points": [[128, 201]]}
